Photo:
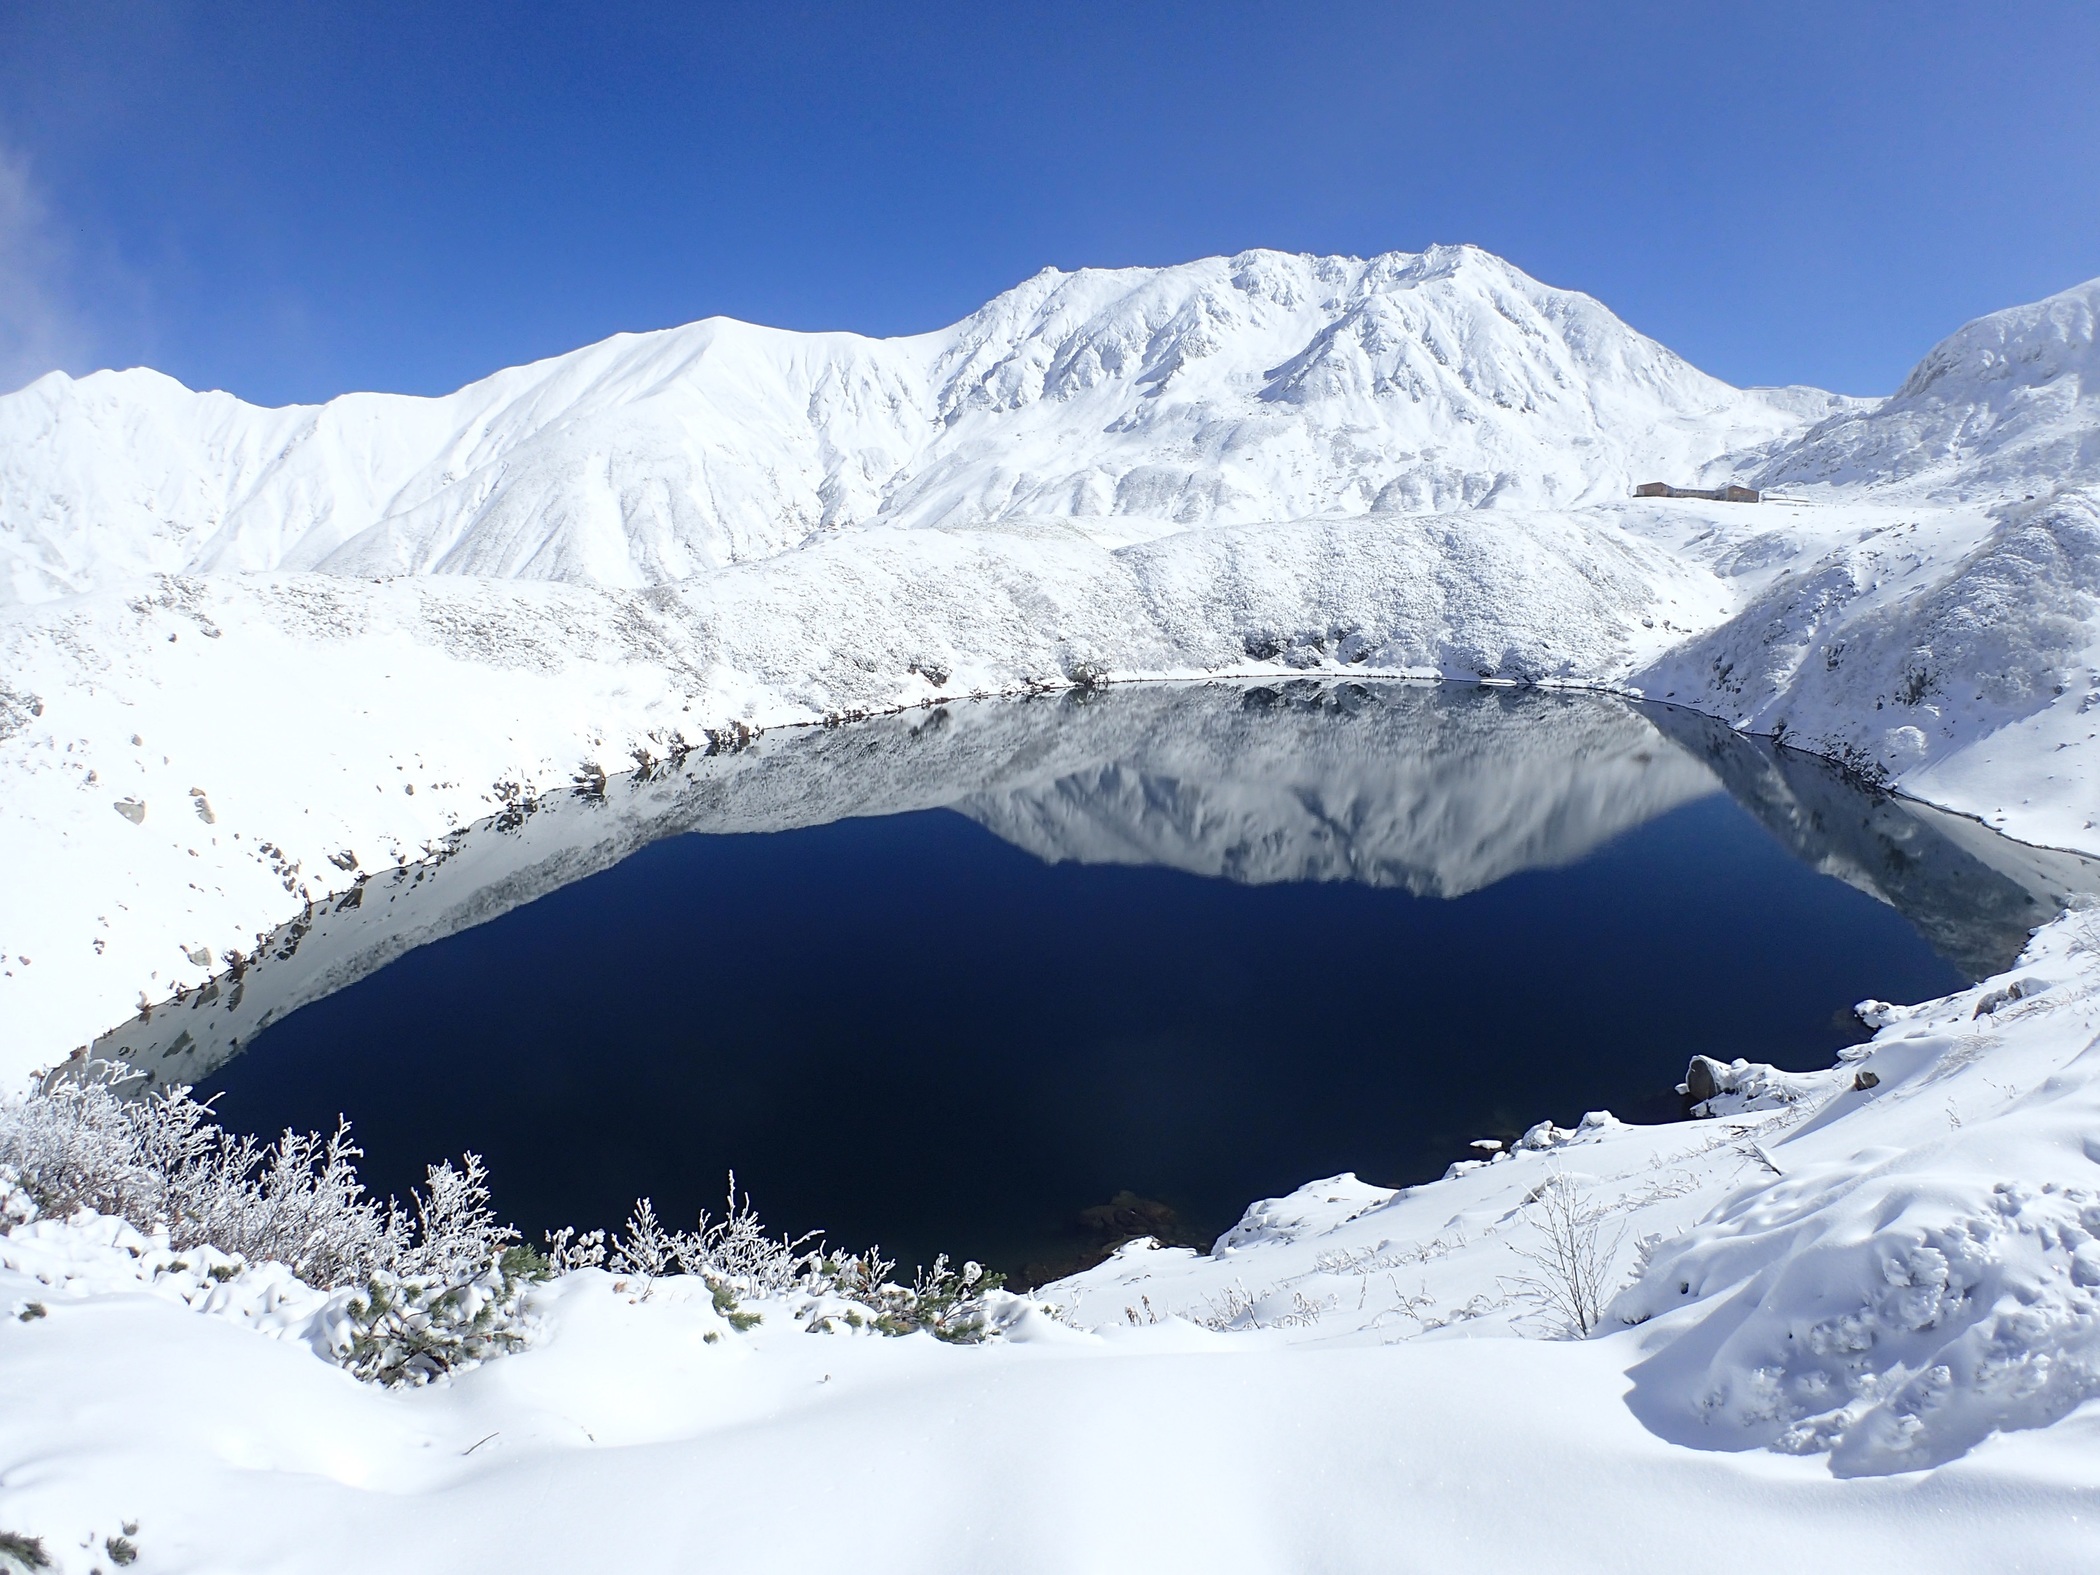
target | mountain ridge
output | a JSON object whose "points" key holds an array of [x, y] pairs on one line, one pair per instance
{"points": [[2005, 399], [1239, 390]]}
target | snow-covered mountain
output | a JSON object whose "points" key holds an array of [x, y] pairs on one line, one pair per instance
{"points": [[1267, 386], [2007, 406]]}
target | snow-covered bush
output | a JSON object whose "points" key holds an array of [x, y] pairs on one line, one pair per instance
{"points": [[453, 1296], [419, 1290], [740, 1262], [160, 1162], [948, 1303], [439, 1284]]}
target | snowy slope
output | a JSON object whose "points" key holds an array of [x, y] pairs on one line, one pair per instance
{"points": [[2007, 407], [1881, 1265], [1259, 387], [1955, 651]]}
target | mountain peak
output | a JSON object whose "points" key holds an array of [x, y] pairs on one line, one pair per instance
{"points": [[1266, 385], [2008, 397]]}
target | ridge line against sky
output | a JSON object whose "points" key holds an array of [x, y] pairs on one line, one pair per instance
{"points": [[295, 202]]}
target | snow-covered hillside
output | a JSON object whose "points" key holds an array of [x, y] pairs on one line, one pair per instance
{"points": [[1260, 387], [2006, 408], [1956, 651]]}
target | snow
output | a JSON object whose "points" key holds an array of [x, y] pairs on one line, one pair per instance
{"points": [[1249, 389], [256, 662], [2004, 408]]}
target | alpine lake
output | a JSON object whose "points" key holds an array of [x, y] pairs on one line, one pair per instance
{"points": [[1021, 979]]}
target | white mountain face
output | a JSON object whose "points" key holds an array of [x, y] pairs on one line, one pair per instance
{"points": [[1266, 386], [2006, 407]]}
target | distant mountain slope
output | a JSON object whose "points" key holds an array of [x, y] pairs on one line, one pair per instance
{"points": [[1260, 387], [2007, 406]]}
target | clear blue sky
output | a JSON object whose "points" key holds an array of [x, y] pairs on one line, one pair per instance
{"points": [[290, 200]]}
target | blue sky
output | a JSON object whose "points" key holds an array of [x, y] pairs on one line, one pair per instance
{"points": [[290, 200]]}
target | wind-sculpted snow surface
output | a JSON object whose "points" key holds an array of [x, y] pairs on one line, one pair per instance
{"points": [[2007, 407], [1260, 387], [1918, 1278]]}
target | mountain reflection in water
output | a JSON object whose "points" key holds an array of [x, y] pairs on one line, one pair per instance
{"points": [[1428, 913]]}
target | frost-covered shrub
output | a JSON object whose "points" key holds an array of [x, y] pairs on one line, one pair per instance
{"points": [[739, 1262], [1571, 1257], [438, 1285], [453, 1296], [160, 1162], [413, 1329], [419, 1290]]}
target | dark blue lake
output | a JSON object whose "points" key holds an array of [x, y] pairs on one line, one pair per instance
{"points": [[1151, 958]]}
